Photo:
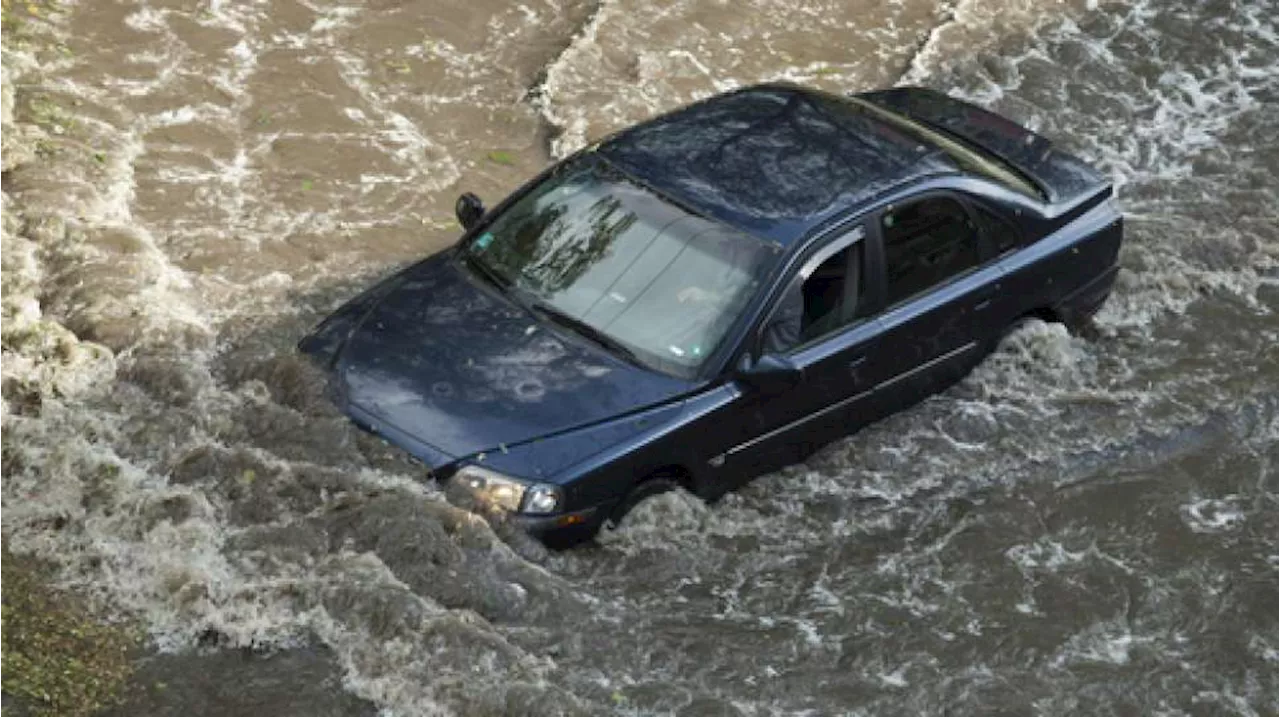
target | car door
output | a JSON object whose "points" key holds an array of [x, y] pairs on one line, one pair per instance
{"points": [[1002, 238], [941, 280], [770, 429]]}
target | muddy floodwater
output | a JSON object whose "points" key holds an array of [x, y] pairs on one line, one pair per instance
{"points": [[1083, 526]]}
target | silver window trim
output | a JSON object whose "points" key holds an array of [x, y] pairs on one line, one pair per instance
{"points": [[837, 245]]}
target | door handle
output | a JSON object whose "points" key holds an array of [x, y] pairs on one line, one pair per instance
{"points": [[857, 361]]}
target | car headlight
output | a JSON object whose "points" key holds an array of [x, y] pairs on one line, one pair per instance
{"points": [[541, 498], [510, 494]]}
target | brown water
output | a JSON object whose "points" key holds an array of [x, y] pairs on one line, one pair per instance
{"points": [[1083, 526]]}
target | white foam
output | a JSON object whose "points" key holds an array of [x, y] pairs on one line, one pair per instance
{"points": [[1213, 515], [427, 164], [147, 19], [896, 678], [1048, 555]]}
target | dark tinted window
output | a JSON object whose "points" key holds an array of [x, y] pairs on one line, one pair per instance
{"points": [[1002, 235], [927, 243], [970, 156]]}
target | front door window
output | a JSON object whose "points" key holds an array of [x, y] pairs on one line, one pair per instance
{"points": [[822, 298]]}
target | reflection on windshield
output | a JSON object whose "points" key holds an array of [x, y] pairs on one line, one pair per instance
{"points": [[641, 271]]}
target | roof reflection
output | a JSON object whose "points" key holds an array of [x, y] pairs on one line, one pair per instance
{"points": [[774, 160]]}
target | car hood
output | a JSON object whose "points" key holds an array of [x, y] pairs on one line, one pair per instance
{"points": [[463, 370]]}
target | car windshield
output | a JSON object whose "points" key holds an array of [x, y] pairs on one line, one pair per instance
{"points": [[606, 258]]}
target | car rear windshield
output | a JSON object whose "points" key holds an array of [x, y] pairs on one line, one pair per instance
{"points": [[663, 284], [970, 158]]}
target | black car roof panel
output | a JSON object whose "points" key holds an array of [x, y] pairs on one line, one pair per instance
{"points": [[774, 160]]}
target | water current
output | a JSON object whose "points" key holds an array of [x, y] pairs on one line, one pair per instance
{"points": [[1083, 526]]}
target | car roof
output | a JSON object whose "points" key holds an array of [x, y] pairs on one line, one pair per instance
{"points": [[776, 160]]}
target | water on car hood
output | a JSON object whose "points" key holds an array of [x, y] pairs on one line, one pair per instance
{"points": [[465, 371]]}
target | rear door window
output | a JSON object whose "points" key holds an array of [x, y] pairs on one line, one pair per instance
{"points": [[926, 243]]}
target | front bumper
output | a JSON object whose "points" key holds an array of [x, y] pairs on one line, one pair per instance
{"points": [[577, 523], [547, 526]]}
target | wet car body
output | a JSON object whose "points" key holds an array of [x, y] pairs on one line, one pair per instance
{"points": [[925, 226]]}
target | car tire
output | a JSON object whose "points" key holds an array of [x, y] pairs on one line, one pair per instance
{"points": [[649, 487], [1043, 315], [1084, 327], [1081, 326], [993, 344]]}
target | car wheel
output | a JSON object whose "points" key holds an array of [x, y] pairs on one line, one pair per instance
{"points": [[646, 489], [1043, 315], [1018, 323], [1012, 329], [1084, 327]]}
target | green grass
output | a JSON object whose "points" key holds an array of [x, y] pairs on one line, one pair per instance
{"points": [[58, 658], [502, 156], [16, 17]]}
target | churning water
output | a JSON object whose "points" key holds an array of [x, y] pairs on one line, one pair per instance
{"points": [[1083, 526]]}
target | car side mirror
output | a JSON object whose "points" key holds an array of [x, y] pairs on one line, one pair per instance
{"points": [[772, 373], [469, 209]]}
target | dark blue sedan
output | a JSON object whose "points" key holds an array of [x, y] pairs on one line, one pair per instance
{"points": [[716, 293]]}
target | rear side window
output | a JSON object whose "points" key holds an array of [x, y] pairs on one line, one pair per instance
{"points": [[1002, 235], [927, 243]]}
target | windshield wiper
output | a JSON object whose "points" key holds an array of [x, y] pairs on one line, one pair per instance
{"points": [[584, 329], [486, 272]]}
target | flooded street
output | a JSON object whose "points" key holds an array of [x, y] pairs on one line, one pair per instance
{"points": [[1083, 526]]}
